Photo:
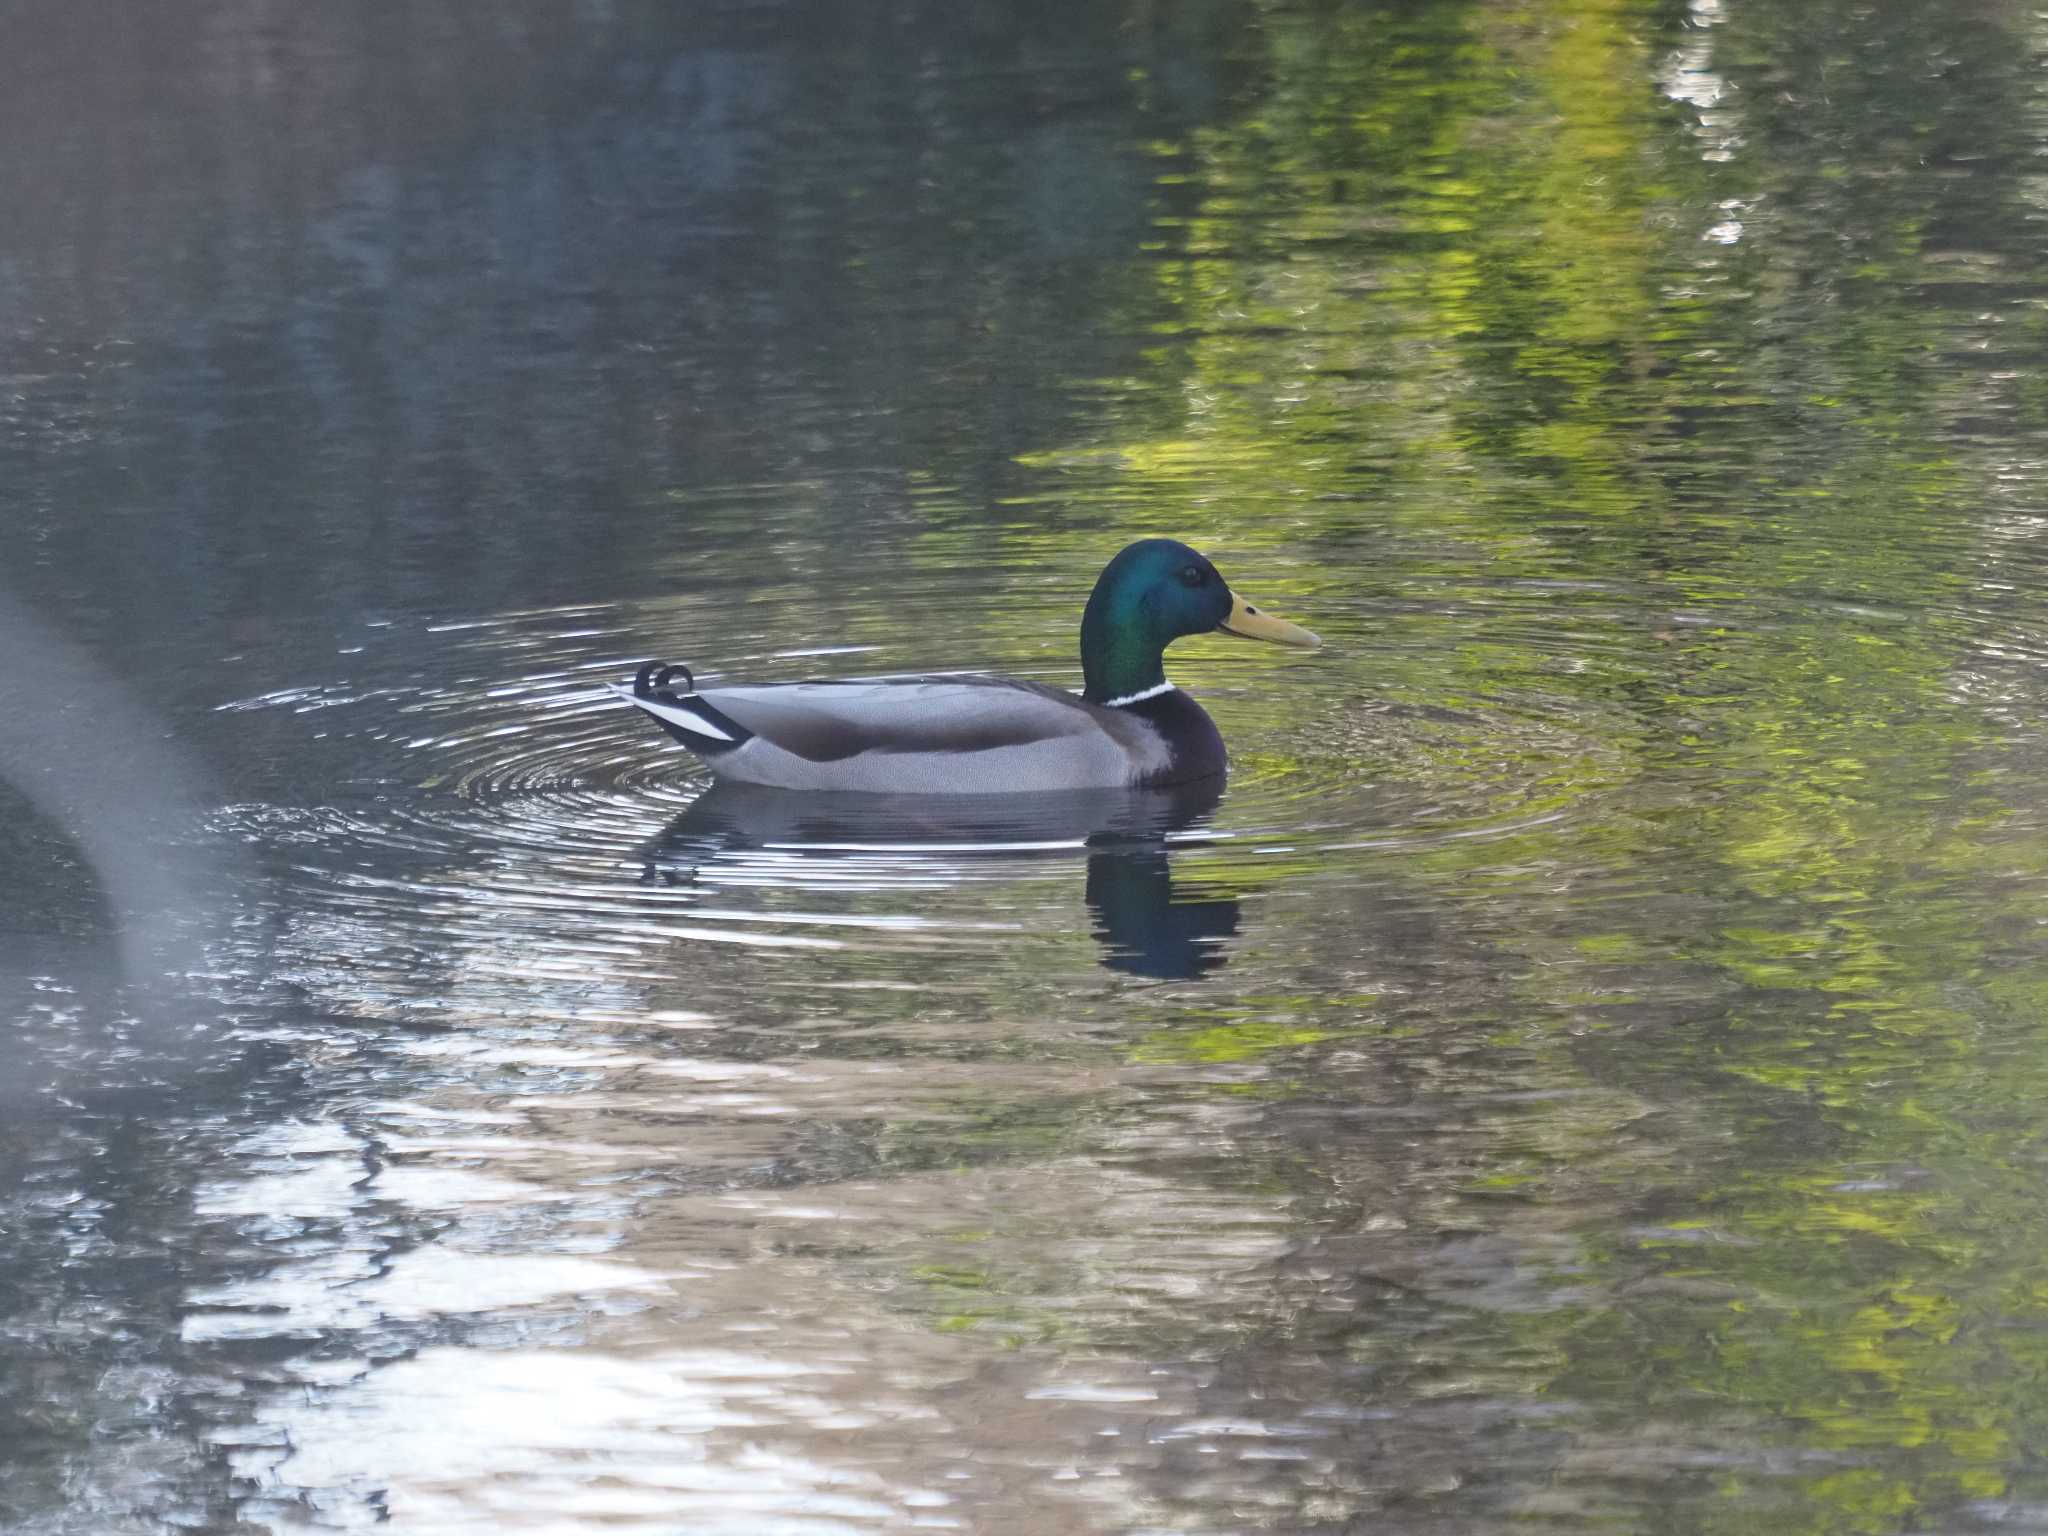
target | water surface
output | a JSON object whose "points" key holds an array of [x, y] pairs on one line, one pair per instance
{"points": [[1582, 1072]]}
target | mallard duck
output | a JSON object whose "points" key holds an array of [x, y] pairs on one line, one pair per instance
{"points": [[1128, 728]]}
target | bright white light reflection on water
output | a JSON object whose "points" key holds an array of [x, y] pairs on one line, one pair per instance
{"points": [[715, 1363]]}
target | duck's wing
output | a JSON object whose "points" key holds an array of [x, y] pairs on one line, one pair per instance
{"points": [[831, 721], [922, 735]]}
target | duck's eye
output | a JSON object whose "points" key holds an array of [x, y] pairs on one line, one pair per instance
{"points": [[1193, 576]]}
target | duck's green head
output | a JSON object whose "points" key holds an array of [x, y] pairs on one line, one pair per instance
{"points": [[1151, 594]]}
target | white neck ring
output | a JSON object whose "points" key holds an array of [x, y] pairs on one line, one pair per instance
{"points": [[1139, 697]]}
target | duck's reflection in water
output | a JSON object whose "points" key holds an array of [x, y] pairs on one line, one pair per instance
{"points": [[1147, 924]]}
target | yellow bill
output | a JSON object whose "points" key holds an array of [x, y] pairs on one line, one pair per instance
{"points": [[1248, 623]]}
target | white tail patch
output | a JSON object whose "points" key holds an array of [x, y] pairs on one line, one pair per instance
{"points": [[697, 725]]}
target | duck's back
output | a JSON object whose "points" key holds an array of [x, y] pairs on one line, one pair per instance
{"points": [[919, 735]]}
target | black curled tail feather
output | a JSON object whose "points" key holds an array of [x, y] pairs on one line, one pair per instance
{"points": [[687, 716], [651, 681]]}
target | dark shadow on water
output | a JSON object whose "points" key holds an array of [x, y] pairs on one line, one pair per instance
{"points": [[1144, 927], [1146, 924]]}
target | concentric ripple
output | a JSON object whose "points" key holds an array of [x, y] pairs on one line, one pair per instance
{"points": [[526, 831]]}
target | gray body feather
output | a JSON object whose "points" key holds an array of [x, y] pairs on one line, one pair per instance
{"points": [[919, 735]]}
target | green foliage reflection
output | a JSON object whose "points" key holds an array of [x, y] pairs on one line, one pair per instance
{"points": [[1648, 308]]}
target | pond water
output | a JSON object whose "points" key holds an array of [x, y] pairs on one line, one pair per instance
{"points": [[1584, 1071]]}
